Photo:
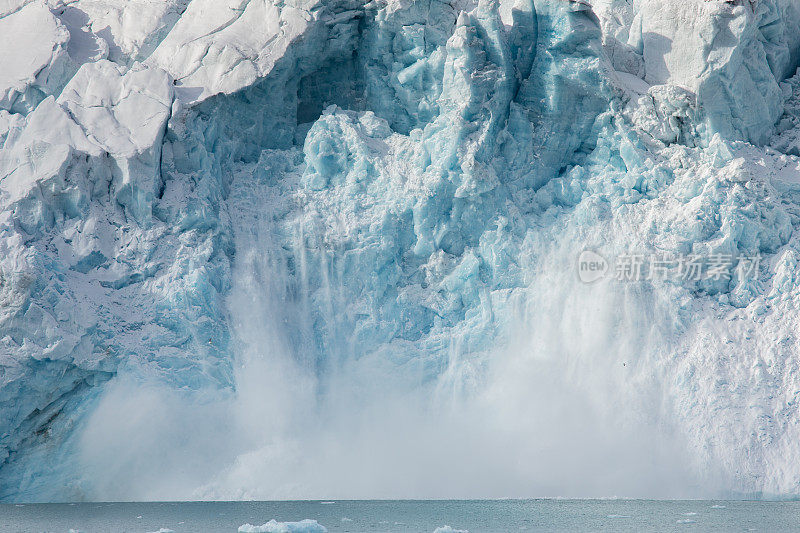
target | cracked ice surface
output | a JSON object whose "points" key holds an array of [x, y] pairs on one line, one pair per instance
{"points": [[252, 247]]}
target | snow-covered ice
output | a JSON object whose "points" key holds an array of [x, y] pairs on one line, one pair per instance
{"points": [[38, 63]]}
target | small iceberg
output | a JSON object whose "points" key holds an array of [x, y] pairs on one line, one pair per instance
{"points": [[448, 529], [273, 526]]}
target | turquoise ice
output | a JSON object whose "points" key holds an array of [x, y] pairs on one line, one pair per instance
{"points": [[250, 248]]}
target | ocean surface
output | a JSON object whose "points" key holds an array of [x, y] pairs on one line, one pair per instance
{"points": [[404, 516]]}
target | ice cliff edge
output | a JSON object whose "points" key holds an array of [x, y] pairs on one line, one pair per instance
{"points": [[409, 183]]}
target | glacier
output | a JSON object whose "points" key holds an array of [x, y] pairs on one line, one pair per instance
{"points": [[327, 248]]}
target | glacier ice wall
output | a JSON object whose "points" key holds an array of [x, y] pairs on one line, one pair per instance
{"points": [[258, 249]]}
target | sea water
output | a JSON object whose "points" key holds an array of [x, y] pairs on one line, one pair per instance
{"points": [[409, 516]]}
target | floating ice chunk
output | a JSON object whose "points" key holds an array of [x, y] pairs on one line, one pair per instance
{"points": [[448, 529], [273, 526]]}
